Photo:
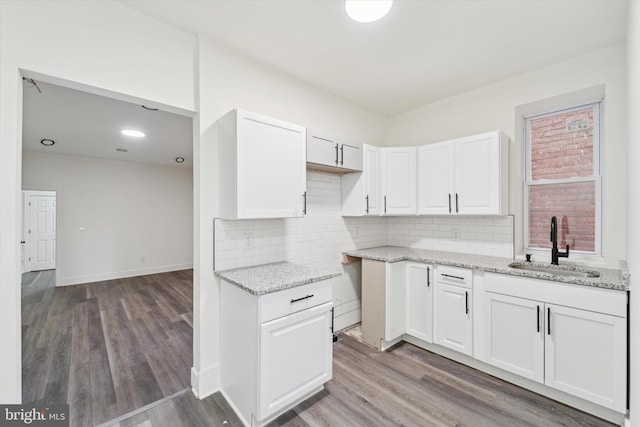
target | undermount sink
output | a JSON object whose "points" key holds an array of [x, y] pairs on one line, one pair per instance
{"points": [[557, 270]]}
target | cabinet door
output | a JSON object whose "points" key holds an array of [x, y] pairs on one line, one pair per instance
{"points": [[295, 357], [585, 355], [371, 177], [435, 179], [398, 181], [419, 301], [395, 300], [350, 156], [321, 149], [271, 167], [453, 320], [514, 335], [477, 174]]}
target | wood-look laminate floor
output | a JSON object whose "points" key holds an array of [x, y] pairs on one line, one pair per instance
{"points": [[106, 348], [405, 386]]}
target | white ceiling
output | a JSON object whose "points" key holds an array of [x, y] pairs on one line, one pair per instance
{"points": [[422, 51], [87, 125]]}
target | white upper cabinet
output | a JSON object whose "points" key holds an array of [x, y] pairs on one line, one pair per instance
{"points": [[465, 176], [361, 191], [328, 153], [350, 155], [435, 179], [322, 149], [398, 178], [262, 167]]}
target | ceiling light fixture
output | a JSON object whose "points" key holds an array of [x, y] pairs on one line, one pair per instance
{"points": [[179, 159], [365, 11], [122, 150], [47, 142], [133, 133]]}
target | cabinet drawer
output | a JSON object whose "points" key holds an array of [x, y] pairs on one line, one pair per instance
{"points": [[281, 303], [454, 276]]}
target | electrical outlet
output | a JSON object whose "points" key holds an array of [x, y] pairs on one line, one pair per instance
{"points": [[455, 234], [248, 240], [143, 259]]}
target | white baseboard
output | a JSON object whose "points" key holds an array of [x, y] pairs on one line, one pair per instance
{"points": [[67, 281], [206, 382], [346, 320]]}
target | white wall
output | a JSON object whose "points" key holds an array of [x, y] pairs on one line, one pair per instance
{"points": [[493, 107], [228, 80], [128, 211], [633, 202], [104, 45]]}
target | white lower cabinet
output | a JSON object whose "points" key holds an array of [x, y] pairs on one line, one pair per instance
{"points": [[419, 301], [577, 350], [453, 321], [515, 335], [275, 349], [585, 355], [294, 357]]}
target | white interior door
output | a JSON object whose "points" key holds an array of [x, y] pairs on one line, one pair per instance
{"points": [[40, 217]]}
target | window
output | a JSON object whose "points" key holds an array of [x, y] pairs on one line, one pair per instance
{"points": [[563, 178]]}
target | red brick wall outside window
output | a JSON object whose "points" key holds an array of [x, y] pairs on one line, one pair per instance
{"points": [[561, 178]]}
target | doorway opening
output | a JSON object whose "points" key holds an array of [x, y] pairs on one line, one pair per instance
{"points": [[107, 298]]}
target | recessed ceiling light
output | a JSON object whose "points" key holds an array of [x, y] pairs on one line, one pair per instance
{"points": [[133, 133], [179, 159], [122, 150], [47, 142], [365, 11]]}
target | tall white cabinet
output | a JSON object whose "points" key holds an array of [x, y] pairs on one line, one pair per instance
{"points": [[261, 168], [398, 178], [464, 176]]}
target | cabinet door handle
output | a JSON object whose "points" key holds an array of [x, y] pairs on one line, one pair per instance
{"points": [[336, 154], [366, 198], [456, 202], [304, 206], [385, 204], [449, 202], [538, 317], [453, 277], [428, 277], [548, 320], [300, 299], [341, 155], [466, 302]]}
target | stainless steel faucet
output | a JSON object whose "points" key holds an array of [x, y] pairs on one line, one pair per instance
{"points": [[555, 253]]}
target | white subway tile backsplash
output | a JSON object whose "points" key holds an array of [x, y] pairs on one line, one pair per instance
{"points": [[320, 237]]}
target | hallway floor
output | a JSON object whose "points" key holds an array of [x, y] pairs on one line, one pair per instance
{"points": [[106, 348]]}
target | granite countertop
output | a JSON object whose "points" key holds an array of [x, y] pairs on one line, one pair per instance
{"points": [[267, 278], [609, 278]]}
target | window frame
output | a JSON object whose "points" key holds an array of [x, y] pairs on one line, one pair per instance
{"points": [[596, 177]]}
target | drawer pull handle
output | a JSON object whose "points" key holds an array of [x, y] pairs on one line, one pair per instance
{"points": [[300, 299], [453, 277]]}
